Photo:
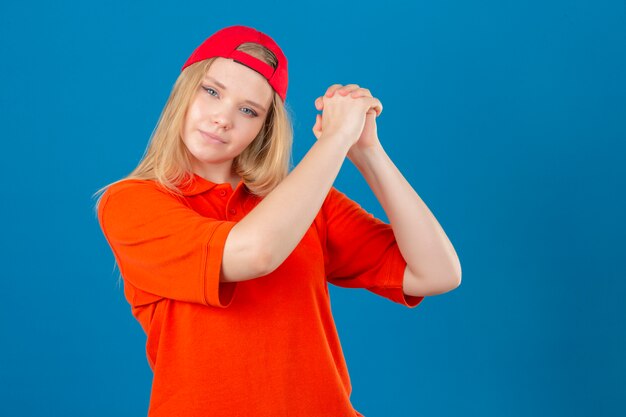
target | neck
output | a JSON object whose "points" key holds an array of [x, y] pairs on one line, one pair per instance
{"points": [[218, 174]]}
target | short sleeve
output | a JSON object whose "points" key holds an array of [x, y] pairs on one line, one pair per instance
{"points": [[361, 251], [164, 247]]}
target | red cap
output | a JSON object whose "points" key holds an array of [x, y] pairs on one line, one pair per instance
{"points": [[224, 43]]}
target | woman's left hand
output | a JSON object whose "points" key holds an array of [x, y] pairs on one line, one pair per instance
{"points": [[369, 135]]}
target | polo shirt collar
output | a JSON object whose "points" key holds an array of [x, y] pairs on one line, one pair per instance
{"points": [[199, 185]]}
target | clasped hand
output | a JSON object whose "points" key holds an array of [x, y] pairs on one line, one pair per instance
{"points": [[350, 112]]}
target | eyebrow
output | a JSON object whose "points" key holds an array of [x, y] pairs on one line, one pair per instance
{"points": [[223, 87]]}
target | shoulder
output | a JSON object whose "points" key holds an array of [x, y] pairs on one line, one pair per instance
{"points": [[132, 196], [328, 202], [132, 186], [136, 189], [336, 199], [333, 195]]}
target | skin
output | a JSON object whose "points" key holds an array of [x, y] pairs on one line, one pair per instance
{"points": [[433, 266], [224, 112], [261, 240]]}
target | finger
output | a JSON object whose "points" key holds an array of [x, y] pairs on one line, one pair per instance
{"points": [[318, 123], [374, 104], [317, 128], [319, 103], [346, 89], [343, 90], [331, 89], [378, 106], [361, 92]]}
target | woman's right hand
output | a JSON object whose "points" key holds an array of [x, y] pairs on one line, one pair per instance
{"points": [[343, 116]]}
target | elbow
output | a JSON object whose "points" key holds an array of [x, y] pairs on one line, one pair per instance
{"points": [[269, 256], [245, 257], [456, 282], [265, 258], [452, 280], [444, 280], [264, 261], [429, 285], [457, 275], [441, 284], [253, 264], [445, 284]]}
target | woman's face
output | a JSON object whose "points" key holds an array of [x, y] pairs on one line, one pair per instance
{"points": [[232, 103]]}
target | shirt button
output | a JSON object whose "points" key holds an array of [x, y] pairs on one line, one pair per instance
{"points": [[232, 211], [222, 193]]}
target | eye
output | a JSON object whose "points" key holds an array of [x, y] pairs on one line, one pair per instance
{"points": [[209, 89], [252, 112], [249, 112]]}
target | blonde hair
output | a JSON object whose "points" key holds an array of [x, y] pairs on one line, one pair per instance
{"points": [[262, 165]]}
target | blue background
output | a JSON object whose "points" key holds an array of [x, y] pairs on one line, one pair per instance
{"points": [[507, 117]]}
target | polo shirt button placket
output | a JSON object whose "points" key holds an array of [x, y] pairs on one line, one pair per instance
{"points": [[232, 211], [222, 193]]}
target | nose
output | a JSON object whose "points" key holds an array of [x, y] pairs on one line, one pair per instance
{"points": [[221, 118]]}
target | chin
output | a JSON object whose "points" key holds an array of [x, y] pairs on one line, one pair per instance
{"points": [[211, 159]]}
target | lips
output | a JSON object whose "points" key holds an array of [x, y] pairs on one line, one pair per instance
{"points": [[212, 136]]}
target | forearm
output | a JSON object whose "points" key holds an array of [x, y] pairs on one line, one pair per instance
{"points": [[421, 240], [282, 218]]}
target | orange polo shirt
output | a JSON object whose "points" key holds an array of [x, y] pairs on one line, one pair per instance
{"points": [[265, 347]]}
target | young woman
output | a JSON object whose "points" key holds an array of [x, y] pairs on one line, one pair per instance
{"points": [[226, 255]]}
